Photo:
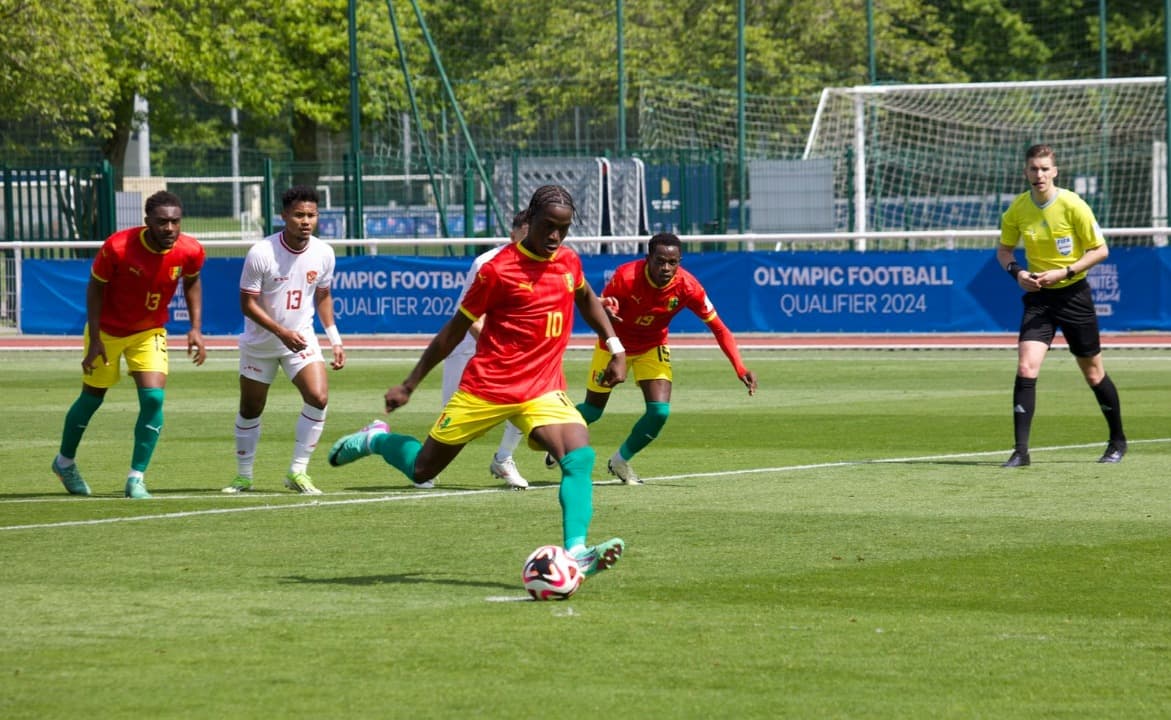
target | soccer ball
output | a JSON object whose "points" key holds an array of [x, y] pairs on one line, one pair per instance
{"points": [[551, 574]]}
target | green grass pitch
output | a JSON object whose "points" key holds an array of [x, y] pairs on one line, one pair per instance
{"points": [[842, 545]]}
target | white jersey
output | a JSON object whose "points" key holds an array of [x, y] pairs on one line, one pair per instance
{"points": [[467, 346], [286, 283], [457, 359]]}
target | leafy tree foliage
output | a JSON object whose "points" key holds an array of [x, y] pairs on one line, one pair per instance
{"points": [[517, 69]]}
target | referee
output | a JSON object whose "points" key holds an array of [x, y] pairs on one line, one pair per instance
{"points": [[1062, 242]]}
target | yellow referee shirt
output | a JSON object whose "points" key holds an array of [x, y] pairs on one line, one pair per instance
{"points": [[1054, 235]]}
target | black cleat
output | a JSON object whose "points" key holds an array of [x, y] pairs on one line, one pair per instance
{"points": [[1018, 459], [1114, 452]]}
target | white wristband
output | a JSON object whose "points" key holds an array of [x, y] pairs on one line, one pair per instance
{"points": [[335, 338], [614, 345]]}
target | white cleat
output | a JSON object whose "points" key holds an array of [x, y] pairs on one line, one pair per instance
{"points": [[506, 470], [621, 468]]}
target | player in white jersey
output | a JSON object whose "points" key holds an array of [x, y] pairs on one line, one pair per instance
{"points": [[503, 466], [286, 279]]}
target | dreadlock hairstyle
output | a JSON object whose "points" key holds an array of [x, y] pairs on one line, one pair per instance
{"points": [[545, 196]]}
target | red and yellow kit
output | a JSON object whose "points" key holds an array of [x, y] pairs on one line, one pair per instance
{"points": [[139, 281], [529, 303], [647, 310]]}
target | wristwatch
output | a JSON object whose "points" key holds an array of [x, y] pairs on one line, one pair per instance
{"points": [[1069, 273]]}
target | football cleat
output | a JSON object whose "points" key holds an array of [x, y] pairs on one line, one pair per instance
{"points": [[1114, 452], [239, 485], [600, 557], [300, 482], [506, 470], [550, 463], [136, 489], [621, 468], [356, 445], [71, 478], [1019, 458]]}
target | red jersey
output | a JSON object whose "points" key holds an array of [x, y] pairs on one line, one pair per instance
{"points": [[647, 310], [529, 302], [139, 281]]}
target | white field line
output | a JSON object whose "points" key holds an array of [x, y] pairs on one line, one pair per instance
{"points": [[420, 496]]}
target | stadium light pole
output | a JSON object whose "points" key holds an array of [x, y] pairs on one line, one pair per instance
{"points": [[1104, 152], [621, 78], [357, 231], [741, 131]]}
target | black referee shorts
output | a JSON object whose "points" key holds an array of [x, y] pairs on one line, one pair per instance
{"points": [[1069, 309]]}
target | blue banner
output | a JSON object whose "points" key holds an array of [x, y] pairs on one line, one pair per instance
{"points": [[936, 291]]}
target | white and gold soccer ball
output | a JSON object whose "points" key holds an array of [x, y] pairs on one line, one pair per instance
{"points": [[551, 574]]}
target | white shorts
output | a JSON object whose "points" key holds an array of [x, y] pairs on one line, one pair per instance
{"points": [[263, 369]]}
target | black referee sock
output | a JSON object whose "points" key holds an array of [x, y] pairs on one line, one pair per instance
{"points": [[1024, 403], [1108, 401]]}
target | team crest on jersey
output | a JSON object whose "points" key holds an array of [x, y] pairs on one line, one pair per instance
{"points": [[175, 271], [673, 303], [569, 282], [311, 277], [443, 421]]}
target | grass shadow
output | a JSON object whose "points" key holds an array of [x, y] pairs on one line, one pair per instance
{"points": [[392, 579]]}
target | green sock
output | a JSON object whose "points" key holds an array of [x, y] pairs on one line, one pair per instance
{"points": [[646, 429], [397, 450], [576, 495], [591, 413], [76, 420], [147, 427]]}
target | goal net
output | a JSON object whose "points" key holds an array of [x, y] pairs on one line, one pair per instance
{"points": [[937, 157], [952, 156], [679, 115]]}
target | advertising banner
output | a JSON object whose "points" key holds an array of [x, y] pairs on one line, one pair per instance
{"points": [[957, 291]]}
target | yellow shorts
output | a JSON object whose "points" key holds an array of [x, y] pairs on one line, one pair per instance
{"points": [[144, 352], [654, 364], [467, 417]]}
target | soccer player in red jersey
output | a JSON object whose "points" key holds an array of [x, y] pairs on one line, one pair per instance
{"points": [[527, 295], [642, 298], [131, 284]]}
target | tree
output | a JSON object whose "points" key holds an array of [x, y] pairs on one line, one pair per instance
{"points": [[50, 73]]}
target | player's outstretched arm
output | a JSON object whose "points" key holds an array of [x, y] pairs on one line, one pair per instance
{"points": [[727, 343], [749, 380], [440, 347]]}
